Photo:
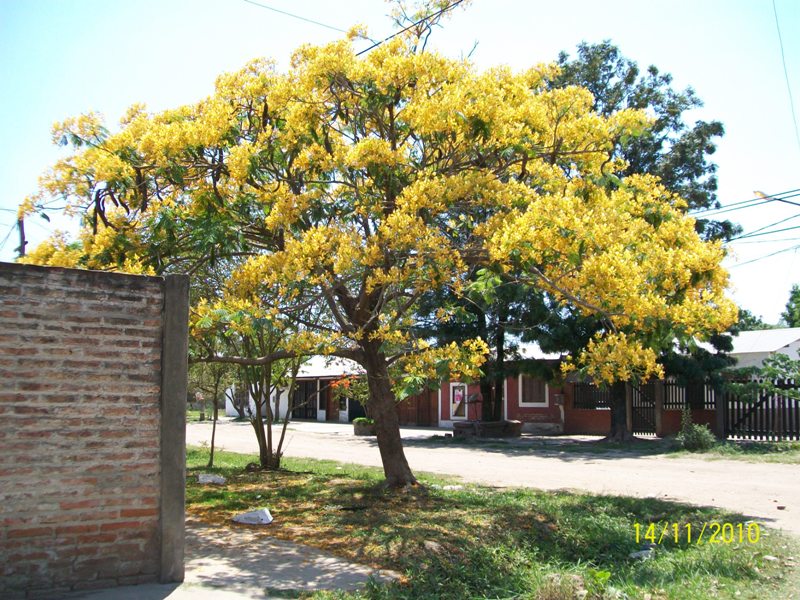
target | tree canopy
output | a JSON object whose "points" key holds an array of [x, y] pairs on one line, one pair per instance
{"points": [[350, 186], [791, 316], [679, 153]]}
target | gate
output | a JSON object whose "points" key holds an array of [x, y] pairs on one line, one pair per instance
{"points": [[304, 400], [355, 409], [643, 409], [589, 396], [765, 417]]}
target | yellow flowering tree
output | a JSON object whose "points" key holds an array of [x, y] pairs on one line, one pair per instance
{"points": [[351, 186]]}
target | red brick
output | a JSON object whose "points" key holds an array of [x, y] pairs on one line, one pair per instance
{"points": [[138, 512], [86, 528], [120, 525], [80, 504], [29, 532], [96, 538]]}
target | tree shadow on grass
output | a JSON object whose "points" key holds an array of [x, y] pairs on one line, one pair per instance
{"points": [[570, 530], [473, 541]]}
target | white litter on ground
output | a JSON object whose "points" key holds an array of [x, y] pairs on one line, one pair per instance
{"points": [[261, 516], [210, 478]]}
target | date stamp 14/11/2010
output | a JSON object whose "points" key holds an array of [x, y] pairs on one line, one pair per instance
{"points": [[713, 532]]}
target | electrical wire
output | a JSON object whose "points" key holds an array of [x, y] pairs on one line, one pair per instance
{"points": [[761, 230], [8, 235], [374, 43], [422, 20], [775, 230], [790, 239], [771, 254], [294, 16], [786, 75], [757, 201]]}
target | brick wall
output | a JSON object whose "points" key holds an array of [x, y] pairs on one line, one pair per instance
{"points": [[80, 429]]}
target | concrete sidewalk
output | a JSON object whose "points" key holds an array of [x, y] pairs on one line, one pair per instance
{"points": [[237, 562]]}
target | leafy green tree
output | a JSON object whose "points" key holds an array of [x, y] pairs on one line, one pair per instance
{"points": [[748, 321], [211, 379], [791, 316], [677, 152]]}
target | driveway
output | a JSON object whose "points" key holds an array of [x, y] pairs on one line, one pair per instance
{"points": [[754, 489]]}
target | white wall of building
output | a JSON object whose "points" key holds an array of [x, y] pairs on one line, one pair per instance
{"points": [[230, 409]]}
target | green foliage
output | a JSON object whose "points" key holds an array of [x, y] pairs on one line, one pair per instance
{"points": [[694, 437], [772, 377], [751, 322], [675, 151], [363, 421], [791, 316]]}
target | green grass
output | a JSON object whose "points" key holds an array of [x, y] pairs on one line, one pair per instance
{"points": [[193, 416], [771, 452], [479, 542]]}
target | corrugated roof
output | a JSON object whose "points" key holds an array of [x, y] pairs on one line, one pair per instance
{"points": [[766, 340]]}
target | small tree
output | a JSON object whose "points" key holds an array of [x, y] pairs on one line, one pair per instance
{"points": [[213, 379], [252, 339]]}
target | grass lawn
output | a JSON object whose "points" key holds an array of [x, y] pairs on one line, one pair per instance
{"points": [[747, 451], [454, 541], [774, 452], [193, 415]]}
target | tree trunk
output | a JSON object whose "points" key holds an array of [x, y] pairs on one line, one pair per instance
{"points": [[500, 363], [619, 415], [255, 387], [387, 425], [213, 432], [487, 396], [488, 382]]}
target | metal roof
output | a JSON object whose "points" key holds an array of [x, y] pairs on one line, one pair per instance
{"points": [[766, 340]]}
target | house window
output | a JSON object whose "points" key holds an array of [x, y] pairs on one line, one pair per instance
{"points": [[458, 401], [532, 392]]}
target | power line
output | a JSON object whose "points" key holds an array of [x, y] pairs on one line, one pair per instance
{"points": [[719, 211], [765, 256], [790, 239], [757, 201], [754, 234], [294, 16], [761, 230], [430, 16], [8, 235], [786, 75]]}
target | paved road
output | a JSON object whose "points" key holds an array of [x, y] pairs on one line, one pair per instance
{"points": [[756, 490]]}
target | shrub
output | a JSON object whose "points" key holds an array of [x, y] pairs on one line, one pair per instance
{"points": [[363, 421], [694, 437]]}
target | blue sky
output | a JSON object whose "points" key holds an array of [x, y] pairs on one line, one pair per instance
{"points": [[60, 58]]}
